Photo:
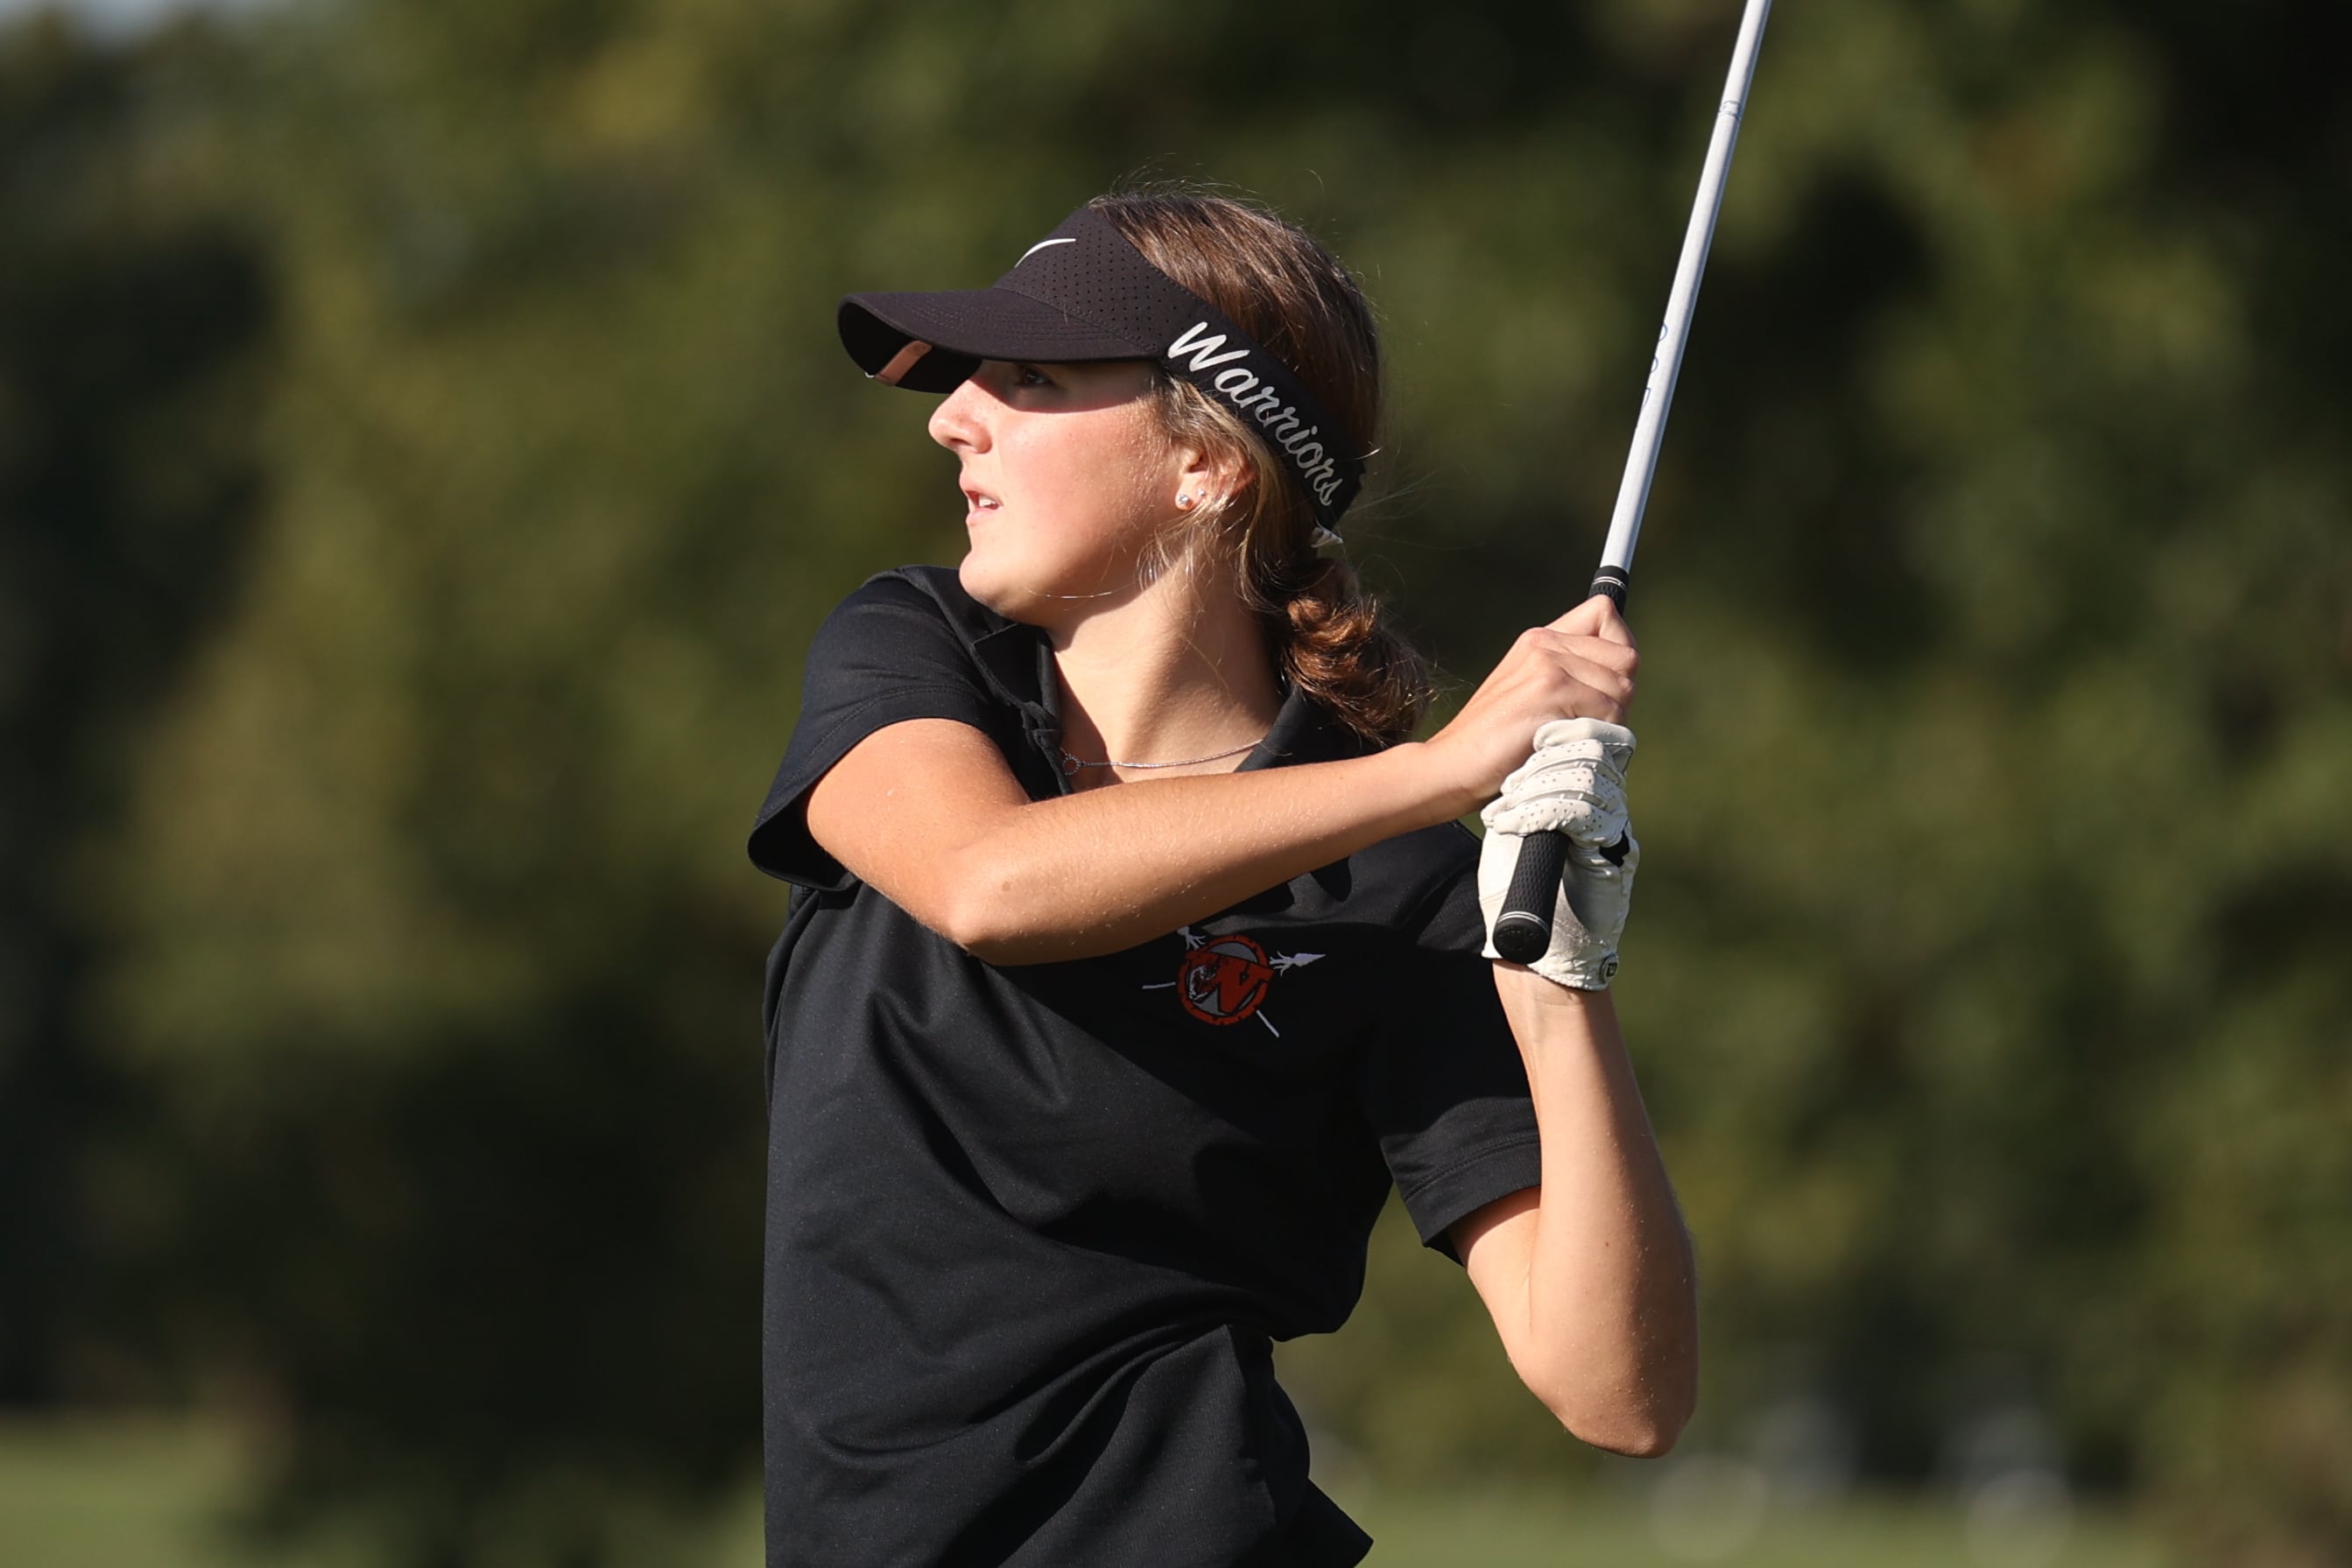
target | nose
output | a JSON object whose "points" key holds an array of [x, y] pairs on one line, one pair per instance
{"points": [[960, 424]]}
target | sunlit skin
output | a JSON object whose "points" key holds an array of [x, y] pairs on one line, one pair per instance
{"points": [[1066, 481]]}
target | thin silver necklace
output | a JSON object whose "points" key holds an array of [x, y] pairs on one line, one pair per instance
{"points": [[1072, 764]]}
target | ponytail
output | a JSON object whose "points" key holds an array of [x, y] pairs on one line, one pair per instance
{"points": [[1335, 648], [1288, 292]]}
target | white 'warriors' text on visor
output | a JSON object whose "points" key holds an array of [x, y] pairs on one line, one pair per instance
{"points": [[1243, 388]]}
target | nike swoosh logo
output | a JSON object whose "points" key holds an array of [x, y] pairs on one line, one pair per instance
{"points": [[1043, 244]]}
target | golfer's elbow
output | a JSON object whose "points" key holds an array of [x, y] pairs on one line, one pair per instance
{"points": [[1640, 1425], [1640, 1413], [988, 905], [1635, 1433], [976, 913]]}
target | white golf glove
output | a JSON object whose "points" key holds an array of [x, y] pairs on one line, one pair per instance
{"points": [[1574, 784]]}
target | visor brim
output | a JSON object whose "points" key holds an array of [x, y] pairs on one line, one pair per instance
{"points": [[964, 327]]}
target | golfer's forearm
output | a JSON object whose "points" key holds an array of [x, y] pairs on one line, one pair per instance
{"points": [[1611, 1337], [1098, 872]]}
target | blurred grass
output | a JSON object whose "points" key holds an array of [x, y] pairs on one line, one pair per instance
{"points": [[93, 1494], [1612, 1529], [149, 1493]]}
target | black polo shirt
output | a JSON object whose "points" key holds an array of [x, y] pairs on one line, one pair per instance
{"points": [[1032, 1229]]}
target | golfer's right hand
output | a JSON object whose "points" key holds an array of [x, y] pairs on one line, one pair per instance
{"points": [[1579, 666]]}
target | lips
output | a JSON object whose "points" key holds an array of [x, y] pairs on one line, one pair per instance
{"points": [[978, 500]]}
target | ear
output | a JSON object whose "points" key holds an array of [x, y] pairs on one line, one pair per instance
{"points": [[1211, 472]]}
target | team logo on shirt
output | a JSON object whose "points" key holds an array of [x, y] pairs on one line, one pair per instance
{"points": [[1223, 980]]}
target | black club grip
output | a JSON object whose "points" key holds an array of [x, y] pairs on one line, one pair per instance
{"points": [[1523, 930]]}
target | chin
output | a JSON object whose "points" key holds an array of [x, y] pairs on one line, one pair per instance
{"points": [[1006, 589], [1036, 593], [991, 587]]}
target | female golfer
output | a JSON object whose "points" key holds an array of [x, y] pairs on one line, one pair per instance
{"points": [[1137, 951]]}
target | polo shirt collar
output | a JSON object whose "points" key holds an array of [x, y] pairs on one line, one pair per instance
{"points": [[1304, 731], [1018, 662]]}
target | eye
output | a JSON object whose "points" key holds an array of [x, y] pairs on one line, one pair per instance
{"points": [[1030, 376]]}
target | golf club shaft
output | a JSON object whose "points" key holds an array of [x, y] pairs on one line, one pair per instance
{"points": [[1523, 930]]}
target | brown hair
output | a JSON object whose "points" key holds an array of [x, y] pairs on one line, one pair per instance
{"points": [[1276, 283]]}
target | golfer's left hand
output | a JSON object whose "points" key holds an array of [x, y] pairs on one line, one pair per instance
{"points": [[1575, 785]]}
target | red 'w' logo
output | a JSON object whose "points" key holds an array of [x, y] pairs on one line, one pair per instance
{"points": [[1224, 980]]}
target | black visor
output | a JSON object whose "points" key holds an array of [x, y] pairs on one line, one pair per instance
{"points": [[1084, 294]]}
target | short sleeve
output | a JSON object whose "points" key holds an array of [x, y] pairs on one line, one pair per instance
{"points": [[887, 654], [1444, 1087]]}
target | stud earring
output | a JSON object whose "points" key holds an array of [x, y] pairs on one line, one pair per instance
{"points": [[1184, 500]]}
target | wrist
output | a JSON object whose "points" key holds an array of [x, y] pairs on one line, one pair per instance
{"points": [[1542, 990], [1439, 796]]}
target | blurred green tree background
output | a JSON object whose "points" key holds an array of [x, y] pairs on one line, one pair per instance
{"points": [[424, 455]]}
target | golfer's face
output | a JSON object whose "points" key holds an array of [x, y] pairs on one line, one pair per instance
{"points": [[1065, 479]]}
